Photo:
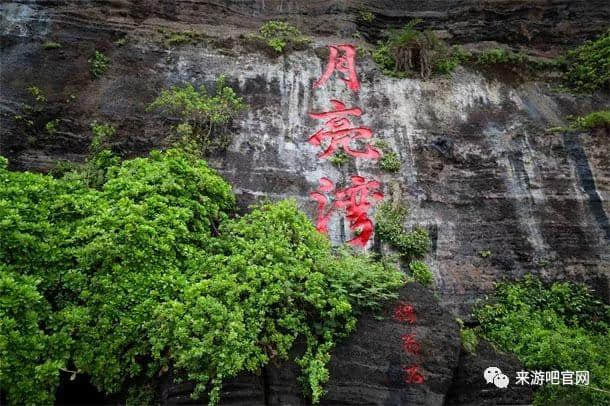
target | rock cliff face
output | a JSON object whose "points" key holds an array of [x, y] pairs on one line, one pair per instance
{"points": [[478, 169]]}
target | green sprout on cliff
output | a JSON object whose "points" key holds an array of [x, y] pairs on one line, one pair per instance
{"points": [[98, 64], [37, 94], [389, 161], [48, 45], [339, 159]]}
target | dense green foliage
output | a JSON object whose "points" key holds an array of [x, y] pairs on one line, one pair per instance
{"points": [[281, 36], [557, 327], [204, 117], [588, 67], [149, 272], [411, 246], [98, 64]]}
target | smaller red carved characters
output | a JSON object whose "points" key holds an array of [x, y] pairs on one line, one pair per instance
{"points": [[342, 58], [410, 344], [354, 200], [405, 313], [339, 132], [412, 374]]}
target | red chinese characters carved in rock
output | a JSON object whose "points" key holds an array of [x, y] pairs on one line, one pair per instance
{"points": [[354, 200], [412, 374], [410, 344], [340, 132], [343, 59], [405, 313]]}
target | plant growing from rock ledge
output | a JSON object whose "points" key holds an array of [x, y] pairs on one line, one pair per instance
{"points": [[389, 227], [468, 337], [280, 36], [410, 51], [339, 159], [102, 133], [590, 122], [205, 118], [365, 16], [121, 41], [389, 161], [597, 119], [51, 126], [175, 38], [38, 94], [588, 67], [98, 64], [421, 272], [485, 253]]}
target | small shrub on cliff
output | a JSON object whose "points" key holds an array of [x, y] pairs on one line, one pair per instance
{"points": [[339, 159], [175, 38], [588, 67], [408, 50], [389, 161], [152, 272], [421, 273], [558, 327], [102, 133], [281, 36], [205, 117], [37, 94], [51, 126], [365, 16], [390, 228], [594, 120], [98, 64]]}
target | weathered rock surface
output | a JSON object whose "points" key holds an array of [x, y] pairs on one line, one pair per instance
{"points": [[469, 389], [478, 169], [366, 369]]}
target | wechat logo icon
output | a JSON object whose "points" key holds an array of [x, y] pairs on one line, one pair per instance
{"points": [[494, 375]]}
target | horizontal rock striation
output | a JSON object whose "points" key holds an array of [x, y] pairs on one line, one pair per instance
{"points": [[499, 194]]}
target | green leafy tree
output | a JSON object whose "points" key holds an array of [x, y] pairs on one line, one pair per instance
{"points": [[205, 118]]}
